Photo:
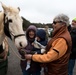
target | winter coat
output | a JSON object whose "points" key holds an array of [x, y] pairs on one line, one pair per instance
{"points": [[43, 41], [34, 66], [73, 36]]}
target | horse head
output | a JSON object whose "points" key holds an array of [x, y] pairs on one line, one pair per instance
{"points": [[13, 25]]}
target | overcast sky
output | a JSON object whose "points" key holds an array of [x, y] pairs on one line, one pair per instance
{"points": [[43, 11]]}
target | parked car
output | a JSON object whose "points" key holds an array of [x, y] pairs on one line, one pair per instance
{"points": [[50, 30]]}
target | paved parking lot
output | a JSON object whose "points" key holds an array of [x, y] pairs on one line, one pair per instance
{"points": [[13, 62]]}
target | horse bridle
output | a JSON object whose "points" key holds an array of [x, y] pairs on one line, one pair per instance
{"points": [[7, 31]]}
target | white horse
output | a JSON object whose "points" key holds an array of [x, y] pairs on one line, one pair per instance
{"points": [[11, 26]]}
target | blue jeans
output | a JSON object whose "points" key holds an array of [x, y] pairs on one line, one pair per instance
{"points": [[71, 66], [28, 73]]}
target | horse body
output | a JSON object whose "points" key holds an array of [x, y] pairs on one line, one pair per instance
{"points": [[11, 23]]}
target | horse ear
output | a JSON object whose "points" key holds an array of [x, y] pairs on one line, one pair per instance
{"points": [[18, 8], [4, 7]]}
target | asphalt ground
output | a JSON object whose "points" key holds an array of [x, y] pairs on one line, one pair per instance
{"points": [[14, 62]]}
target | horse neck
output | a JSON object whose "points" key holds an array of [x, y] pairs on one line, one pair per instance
{"points": [[2, 35], [1, 17]]}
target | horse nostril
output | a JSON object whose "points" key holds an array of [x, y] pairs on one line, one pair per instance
{"points": [[20, 44]]}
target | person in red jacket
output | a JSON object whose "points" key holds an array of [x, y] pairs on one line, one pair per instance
{"points": [[58, 48]]}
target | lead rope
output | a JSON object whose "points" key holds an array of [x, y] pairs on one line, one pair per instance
{"points": [[14, 51]]}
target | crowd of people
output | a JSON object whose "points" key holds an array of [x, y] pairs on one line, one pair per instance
{"points": [[52, 57]]}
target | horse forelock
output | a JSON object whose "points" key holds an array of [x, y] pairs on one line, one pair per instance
{"points": [[13, 10]]}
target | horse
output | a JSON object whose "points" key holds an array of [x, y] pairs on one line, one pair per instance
{"points": [[11, 26]]}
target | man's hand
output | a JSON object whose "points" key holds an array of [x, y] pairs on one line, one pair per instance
{"points": [[28, 56]]}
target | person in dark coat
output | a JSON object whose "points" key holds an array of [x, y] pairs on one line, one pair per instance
{"points": [[40, 45], [34, 68], [72, 30], [40, 42], [39, 48]]}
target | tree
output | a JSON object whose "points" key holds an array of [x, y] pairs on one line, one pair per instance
{"points": [[26, 23]]}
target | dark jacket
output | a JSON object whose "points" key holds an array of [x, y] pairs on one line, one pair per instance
{"points": [[43, 41], [34, 66], [73, 36], [38, 50]]}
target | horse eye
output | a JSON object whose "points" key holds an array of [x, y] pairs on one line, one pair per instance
{"points": [[10, 20]]}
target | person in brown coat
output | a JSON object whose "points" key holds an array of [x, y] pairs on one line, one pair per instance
{"points": [[58, 48]]}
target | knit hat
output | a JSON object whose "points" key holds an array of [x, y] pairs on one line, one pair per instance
{"points": [[74, 19], [41, 34]]}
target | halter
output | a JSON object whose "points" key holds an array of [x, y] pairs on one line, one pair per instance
{"points": [[7, 31]]}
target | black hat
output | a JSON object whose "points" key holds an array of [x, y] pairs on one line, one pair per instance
{"points": [[41, 34]]}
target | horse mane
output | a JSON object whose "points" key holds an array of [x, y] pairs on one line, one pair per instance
{"points": [[1, 22], [1, 17]]}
